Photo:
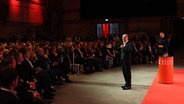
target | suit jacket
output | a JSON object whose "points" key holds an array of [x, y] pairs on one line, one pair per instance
{"points": [[8, 98], [28, 70], [43, 62], [164, 42], [126, 52], [79, 56]]}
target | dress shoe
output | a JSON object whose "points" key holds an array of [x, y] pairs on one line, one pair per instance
{"points": [[127, 88], [122, 86]]}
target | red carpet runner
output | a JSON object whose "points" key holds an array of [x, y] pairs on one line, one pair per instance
{"points": [[166, 93]]}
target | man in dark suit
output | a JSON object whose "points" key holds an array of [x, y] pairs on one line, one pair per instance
{"points": [[9, 81], [126, 55], [162, 45], [171, 44]]}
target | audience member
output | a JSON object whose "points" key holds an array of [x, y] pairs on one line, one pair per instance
{"points": [[8, 82]]}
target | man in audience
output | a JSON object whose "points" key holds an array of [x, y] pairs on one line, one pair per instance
{"points": [[8, 82]]}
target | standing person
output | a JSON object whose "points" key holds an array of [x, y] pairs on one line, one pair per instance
{"points": [[126, 56], [162, 45], [170, 45]]}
